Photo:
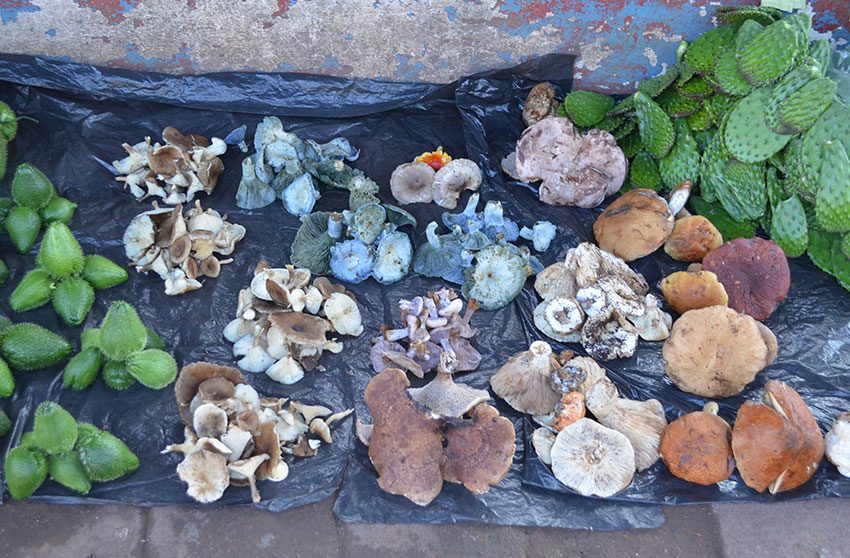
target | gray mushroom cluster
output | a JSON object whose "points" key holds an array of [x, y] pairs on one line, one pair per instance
{"points": [[431, 325], [282, 322], [591, 457], [419, 182], [594, 298], [181, 247], [175, 170], [234, 436]]}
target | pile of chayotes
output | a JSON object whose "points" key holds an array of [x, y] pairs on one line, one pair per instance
{"points": [[744, 131]]}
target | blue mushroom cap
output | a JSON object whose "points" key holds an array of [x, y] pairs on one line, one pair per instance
{"points": [[300, 196], [392, 261], [352, 261]]}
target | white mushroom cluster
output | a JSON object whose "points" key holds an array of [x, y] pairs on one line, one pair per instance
{"points": [[181, 248], [594, 298], [235, 436], [175, 170], [282, 322]]}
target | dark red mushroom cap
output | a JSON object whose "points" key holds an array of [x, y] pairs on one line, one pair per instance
{"points": [[754, 272]]}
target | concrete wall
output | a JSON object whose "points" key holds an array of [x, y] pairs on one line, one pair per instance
{"points": [[618, 41]]}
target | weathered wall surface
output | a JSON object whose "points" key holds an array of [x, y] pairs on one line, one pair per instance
{"points": [[618, 41]]}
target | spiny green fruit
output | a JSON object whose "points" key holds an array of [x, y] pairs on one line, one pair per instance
{"points": [[747, 32], [788, 227], [744, 183], [31, 188], [655, 85], [703, 138], [4, 157], [701, 53], [729, 228], [28, 346], [821, 53], [102, 273], [122, 333], [23, 225], [770, 54], [82, 370], [6, 206], [60, 253], [90, 337], [586, 108], [802, 109], [631, 144], [7, 380], [845, 244], [820, 249], [832, 201], [4, 272], [672, 102], [28, 441], [5, 424], [717, 106], [787, 86], [72, 300], [611, 123], [683, 161], [746, 134], [154, 340], [34, 290], [68, 470], [153, 368], [643, 172], [104, 457], [58, 210], [8, 122], [833, 125], [695, 88], [625, 129], [5, 323], [54, 428], [656, 129], [712, 165], [25, 470], [115, 375], [700, 120]]}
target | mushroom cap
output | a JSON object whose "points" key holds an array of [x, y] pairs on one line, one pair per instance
{"points": [[406, 444], [838, 444], [368, 222], [344, 314], [192, 376], [592, 459], [691, 290], [352, 261], [180, 249], [523, 381], [266, 441], [210, 267], [539, 104], [209, 421], [450, 181], [634, 225], [569, 409], [311, 248], [692, 238], [300, 196], [479, 452], [206, 474], [777, 444], [444, 398], [412, 183], [542, 439], [714, 352], [697, 447], [392, 258], [754, 272], [497, 277], [300, 328], [555, 280]]}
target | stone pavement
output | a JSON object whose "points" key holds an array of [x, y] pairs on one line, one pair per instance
{"points": [[809, 529]]}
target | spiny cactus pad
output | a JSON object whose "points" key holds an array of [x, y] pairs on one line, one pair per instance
{"points": [[747, 136]]}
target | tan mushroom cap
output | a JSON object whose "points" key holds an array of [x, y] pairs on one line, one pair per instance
{"points": [[634, 225], [539, 104], [444, 398], [266, 441], [192, 376], [166, 161], [180, 249], [411, 183], [697, 447], [406, 445], [523, 381], [206, 474], [692, 238], [300, 328], [210, 267], [216, 389], [690, 290], [479, 452], [453, 179], [714, 352]]}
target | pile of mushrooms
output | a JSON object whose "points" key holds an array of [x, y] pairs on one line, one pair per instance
{"points": [[594, 298], [591, 457], [434, 177], [575, 169], [282, 322], [235, 436], [421, 437], [175, 171], [431, 325], [181, 248]]}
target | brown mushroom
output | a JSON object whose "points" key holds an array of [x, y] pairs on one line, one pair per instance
{"points": [[267, 441], [634, 225], [411, 183], [210, 267], [754, 272], [523, 381], [166, 161], [539, 104], [692, 238], [172, 136], [192, 376], [697, 447], [479, 452], [690, 290], [297, 327], [715, 351], [180, 249], [406, 445], [216, 390], [444, 398], [453, 179], [172, 227], [208, 173], [777, 444]]}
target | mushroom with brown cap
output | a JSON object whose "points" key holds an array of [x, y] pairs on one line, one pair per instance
{"points": [[453, 179], [192, 376], [838, 444], [569, 409], [692, 238], [539, 104], [715, 351], [245, 470], [523, 381], [592, 459], [555, 280], [267, 442], [697, 447], [777, 444], [206, 474], [209, 421], [691, 290], [754, 272], [609, 335], [412, 183]]}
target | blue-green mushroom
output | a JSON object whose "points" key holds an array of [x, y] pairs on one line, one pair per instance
{"points": [[497, 277], [252, 193], [300, 196], [352, 261], [392, 259], [440, 256]]}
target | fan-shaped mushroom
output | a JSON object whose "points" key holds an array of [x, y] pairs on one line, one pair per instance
{"points": [[453, 179], [523, 381]]}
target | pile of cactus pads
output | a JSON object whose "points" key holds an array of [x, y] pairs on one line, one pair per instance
{"points": [[748, 114]]}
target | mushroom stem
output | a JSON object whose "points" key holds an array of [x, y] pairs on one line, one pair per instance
{"points": [[431, 234]]}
